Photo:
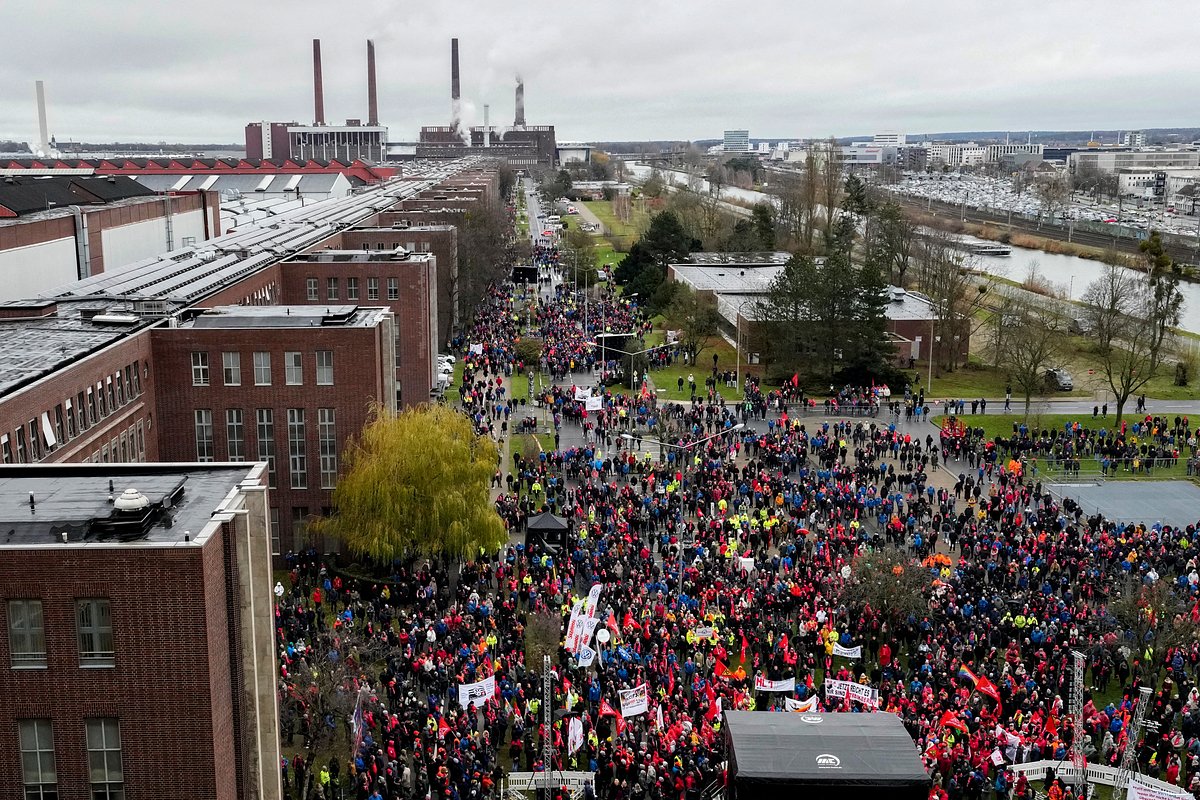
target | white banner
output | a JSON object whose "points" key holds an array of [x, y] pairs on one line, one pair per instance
{"points": [[583, 392], [585, 656], [997, 757], [847, 652], [593, 599], [705, 632], [572, 638], [855, 691], [477, 349], [764, 684], [594, 403], [746, 563], [477, 693], [574, 735], [801, 705], [635, 701], [1138, 790]]}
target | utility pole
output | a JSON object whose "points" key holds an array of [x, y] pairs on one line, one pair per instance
{"points": [[547, 720]]}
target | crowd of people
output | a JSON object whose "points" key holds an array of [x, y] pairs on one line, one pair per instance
{"points": [[726, 539]]}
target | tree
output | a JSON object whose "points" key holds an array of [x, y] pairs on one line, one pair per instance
{"points": [[580, 248], [1165, 301], [763, 218], [1150, 618], [1107, 302], [830, 185], [896, 235], [942, 274], [486, 254], [416, 483], [888, 583], [696, 317], [785, 310], [743, 238], [1129, 362], [1053, 191], [1033, 339], [666, 239]]}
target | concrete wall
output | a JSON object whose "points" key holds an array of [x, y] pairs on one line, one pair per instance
{"points": [[27, 271], [126, 244]]}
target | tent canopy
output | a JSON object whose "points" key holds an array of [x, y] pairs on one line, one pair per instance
{"points": [[855, 754], [546, 522]]}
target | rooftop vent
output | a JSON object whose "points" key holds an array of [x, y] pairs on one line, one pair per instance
{"points": [[131, 500], [115, 319]]}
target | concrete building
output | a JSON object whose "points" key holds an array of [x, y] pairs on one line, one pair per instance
{"points": [[1133, 139], [567, 152], [736, 142], [140, 655], [994, 153], [889, 139], [101, 370], [59, 229], [1115, 160]]}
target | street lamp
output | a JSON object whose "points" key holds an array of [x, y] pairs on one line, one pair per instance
{"points": [[632, 371], [679, 487]]}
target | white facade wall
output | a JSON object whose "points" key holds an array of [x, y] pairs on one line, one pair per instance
{"points": [[27, 271], [130, 243]]}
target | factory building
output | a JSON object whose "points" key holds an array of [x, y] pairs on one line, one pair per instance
{"points": [[140, 660], [268, 343]]}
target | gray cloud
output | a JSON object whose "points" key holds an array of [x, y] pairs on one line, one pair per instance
{"points": [[622, 69]]}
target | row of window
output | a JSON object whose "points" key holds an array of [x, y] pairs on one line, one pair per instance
{"points": [[235, 442], [231, 368], [39, 771], [71, 418], [126, 447], [93, 633], [332, 289]]}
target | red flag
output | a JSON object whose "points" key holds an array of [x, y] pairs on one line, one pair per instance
{"points": [[443, 728], [709, 694], [714, 710], [745, 644], [606, 710], [951, 720], [670, 682], [984, 686], [1052, 726], [628, 621], [720, 670], [796, 379]]}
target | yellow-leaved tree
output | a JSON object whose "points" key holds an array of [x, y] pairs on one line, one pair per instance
{"points": [[416, 484]]}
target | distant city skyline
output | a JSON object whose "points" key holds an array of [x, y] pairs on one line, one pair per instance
{"points": [[617, 71]]}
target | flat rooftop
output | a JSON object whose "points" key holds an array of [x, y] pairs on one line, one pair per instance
{"points": [[1174, 503], [330, 316], [74, 499], [760, 258]]}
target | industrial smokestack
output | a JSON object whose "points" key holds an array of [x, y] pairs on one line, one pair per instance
{"points": [[372, 98], [43, 130], [455, 107], [487, 132], [318, 86], [519, 121]]}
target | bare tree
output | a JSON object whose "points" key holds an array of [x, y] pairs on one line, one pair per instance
{"points": [[943, 273], [1033, 339], [1053, 191], [830, 186], [1108, 302]]}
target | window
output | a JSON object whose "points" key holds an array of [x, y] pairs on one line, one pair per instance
{"points": [[204, 434], [372, 288], [266, 441], [297, 457], [393, 288], [275, 541], [326, 430], [331, 288], [231, 367], [312, 289], [26, 634], [35, 441], [141, 442], [262, 368], [120, 389], [199, 369], [104, 759], [130, 393], [299, 527], [111, 393], [293, 363], [324, 368], [94, 618], [81, 411], [69, 413], [91, 407], [351, 288], [235, 433], [6, 447], [37, 759], [103, 400], [137, 380]]}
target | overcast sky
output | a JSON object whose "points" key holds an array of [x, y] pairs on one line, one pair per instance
{"points": [[150, 70]]}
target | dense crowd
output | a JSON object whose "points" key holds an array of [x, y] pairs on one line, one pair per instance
{"points": [[723, 550]]}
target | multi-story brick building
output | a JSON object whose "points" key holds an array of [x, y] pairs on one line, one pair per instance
{"points": [[283, 385], [138, 657], [101, 371]]}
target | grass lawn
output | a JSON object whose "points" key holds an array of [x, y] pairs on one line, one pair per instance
{"points": [[624, 233], [1002, 425], [454, 392]]}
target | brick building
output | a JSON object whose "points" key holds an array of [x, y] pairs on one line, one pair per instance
{"points": [[101, 371], [283, 385], [138, 660]]}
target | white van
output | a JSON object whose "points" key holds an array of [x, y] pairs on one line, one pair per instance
{"points": [[553, 219]]}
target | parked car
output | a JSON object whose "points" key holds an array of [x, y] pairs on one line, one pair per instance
{"points": [[1060, 379]]}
